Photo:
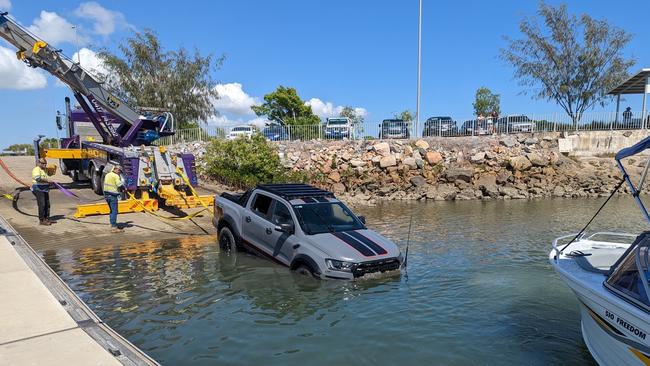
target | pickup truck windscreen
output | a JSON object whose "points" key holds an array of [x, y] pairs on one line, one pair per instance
{"points": [[318, 218]]}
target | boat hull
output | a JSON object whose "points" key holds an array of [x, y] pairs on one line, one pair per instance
{"points": [[604, 347], [613, 331]]}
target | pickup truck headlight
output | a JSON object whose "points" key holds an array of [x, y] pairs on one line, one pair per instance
{"points": [[337, 265]]}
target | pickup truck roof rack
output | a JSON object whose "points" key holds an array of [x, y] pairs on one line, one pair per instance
{"points": [[292, 191]]}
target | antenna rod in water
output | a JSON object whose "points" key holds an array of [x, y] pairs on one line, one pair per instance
{"points": [[408, 240]]}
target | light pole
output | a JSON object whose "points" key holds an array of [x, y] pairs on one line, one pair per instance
{"points": [[417, 111]]}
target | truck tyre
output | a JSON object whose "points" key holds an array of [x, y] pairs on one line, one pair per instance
{"points": [[305, 270], [64, 168], [96, 182], [227, 240]]}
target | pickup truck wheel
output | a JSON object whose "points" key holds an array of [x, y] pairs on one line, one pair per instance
{"points": [[305, 270], [227, 240]]}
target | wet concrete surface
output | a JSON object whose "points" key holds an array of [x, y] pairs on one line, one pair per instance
{"points": [[70, 232]]}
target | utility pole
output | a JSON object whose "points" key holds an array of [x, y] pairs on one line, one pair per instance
{"points": [[417, 112]]}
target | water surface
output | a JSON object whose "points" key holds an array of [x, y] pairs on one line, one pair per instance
{"points": [[478, 290]]}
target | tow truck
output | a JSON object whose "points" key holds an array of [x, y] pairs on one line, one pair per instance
{"points": [[105, 132]]}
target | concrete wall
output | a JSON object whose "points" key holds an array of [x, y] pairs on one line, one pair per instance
{"points": [[590, 143]]}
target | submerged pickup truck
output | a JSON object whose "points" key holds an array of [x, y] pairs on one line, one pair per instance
{"points": [[304, 228]]}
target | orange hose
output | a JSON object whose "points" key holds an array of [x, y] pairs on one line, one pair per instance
{"points": [[6, 169]]}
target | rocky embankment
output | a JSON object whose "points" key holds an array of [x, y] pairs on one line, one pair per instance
{"points": [[506, 167]]}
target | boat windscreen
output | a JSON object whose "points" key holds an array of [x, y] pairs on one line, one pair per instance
{"points": [[630, 277]]}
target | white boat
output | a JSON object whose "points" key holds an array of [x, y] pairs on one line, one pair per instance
{"points": [[610, 274]]}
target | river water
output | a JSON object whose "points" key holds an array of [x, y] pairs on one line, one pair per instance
{"points": [[479, 290]]}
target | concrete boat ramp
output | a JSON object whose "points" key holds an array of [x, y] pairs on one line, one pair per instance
{"points": [[42, 321]]}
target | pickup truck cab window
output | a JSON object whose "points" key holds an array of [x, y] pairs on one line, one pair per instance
{"points": [[261, 205], [281, 214]]}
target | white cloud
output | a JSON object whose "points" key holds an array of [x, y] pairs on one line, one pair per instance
{"points": [[105, 21], [327, 109], [90, 61], [232, 99], [323, 109], [226, 121], [54, 29], [14, 74], [5, 4], [361, 112]]}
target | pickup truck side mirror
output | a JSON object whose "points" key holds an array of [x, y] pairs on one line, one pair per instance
{"points": [[362, 219], [285, 228]]}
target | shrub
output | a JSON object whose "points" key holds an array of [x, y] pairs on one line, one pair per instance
{"points": [[246, 162]]}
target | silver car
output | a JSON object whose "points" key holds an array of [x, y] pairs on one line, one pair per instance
{"points": [[304, 228]]}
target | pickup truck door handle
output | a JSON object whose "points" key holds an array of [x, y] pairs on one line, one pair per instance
{"points": [[269, 231], [248, 219]]}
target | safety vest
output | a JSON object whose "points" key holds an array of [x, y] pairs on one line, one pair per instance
{"points": [[112, 183], [39, 179]]}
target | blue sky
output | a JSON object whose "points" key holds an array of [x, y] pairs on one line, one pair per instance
{"points": [[358, 53]]}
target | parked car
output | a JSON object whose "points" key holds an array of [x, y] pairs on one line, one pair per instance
{"points": [[304, 228], [275, 132], [394, 129], [474, 127], [516, 123], [338, 128], [237, 131], [440, 126]]}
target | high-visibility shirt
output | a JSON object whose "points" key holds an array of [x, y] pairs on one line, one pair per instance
{"points": [[39, 180], [112, 183]]}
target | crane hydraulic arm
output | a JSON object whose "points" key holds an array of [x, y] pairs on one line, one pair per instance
{"points": [[38, 54]]}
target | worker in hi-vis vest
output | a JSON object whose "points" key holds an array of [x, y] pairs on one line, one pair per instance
{"points": [[41, 189], [113, 186]]}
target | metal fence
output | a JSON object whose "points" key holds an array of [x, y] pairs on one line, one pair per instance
{"points": [[443, 127]]}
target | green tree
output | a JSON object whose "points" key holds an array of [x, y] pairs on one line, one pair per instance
{"points": [[486, 102], [50, 143], [246, 162], [147, 75], [285, 106], [405, 115], [350, 113], [573, 61], [28, 149]]}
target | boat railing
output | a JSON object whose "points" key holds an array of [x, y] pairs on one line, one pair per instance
{"points": [[584, 236]]}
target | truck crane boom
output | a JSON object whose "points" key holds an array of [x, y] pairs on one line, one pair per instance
{"points": [[88, 91]]}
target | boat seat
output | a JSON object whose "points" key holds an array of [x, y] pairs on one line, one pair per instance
{"points": [[599, 260]]}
